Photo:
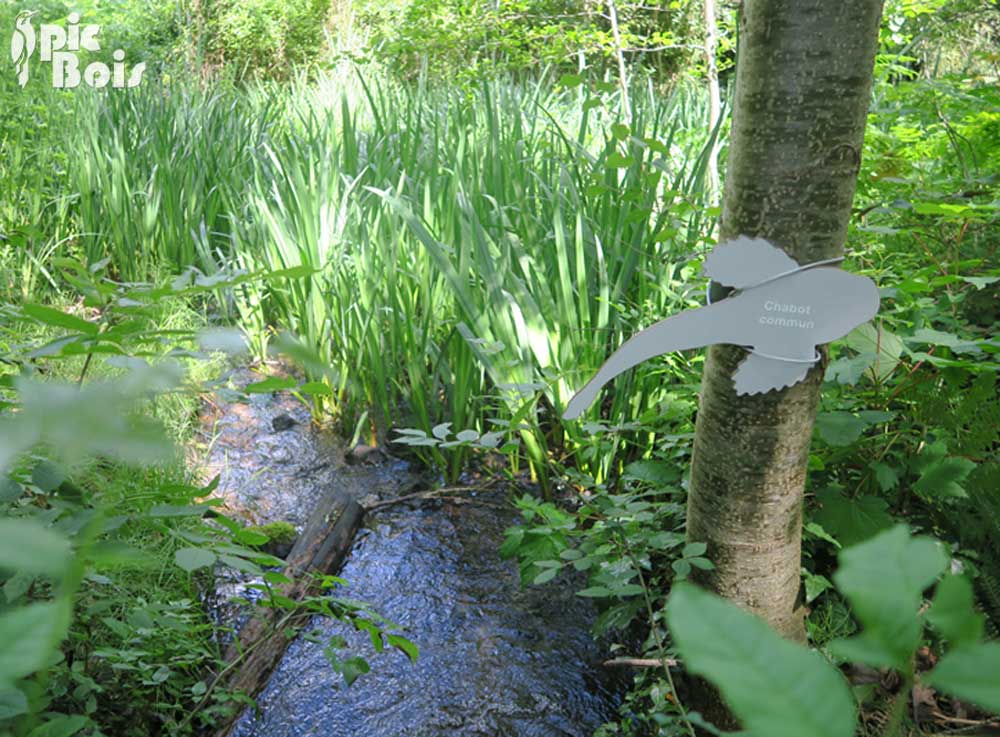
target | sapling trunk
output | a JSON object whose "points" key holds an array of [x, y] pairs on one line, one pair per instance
{"points": [[804, 74]]}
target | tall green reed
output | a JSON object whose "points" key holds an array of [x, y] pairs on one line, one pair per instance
{"points": [[473, 255], [159, 174], [478, 257]]}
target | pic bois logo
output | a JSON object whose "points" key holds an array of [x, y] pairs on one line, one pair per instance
{"points": [[60, 47]]}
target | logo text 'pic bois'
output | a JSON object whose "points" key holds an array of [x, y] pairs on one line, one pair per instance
{"points": [[60, 47]]}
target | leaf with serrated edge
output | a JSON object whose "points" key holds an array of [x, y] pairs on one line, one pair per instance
{"points": [[953, 612], [971, 673], [738, 652], [884, 579]]}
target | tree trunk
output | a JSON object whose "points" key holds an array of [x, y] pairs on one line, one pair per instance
{"points": [[803, 82]]}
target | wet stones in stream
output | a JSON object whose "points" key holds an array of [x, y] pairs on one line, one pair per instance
{"points": [[495, 660], [274, 464]]}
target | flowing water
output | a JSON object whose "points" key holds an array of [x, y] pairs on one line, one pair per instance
{"points": [[495, 660]]}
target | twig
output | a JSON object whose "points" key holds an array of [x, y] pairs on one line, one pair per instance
{"points": [[663, 660], [430, 494], [90, 357], [640, 663], [909, 373], [965, 722]]}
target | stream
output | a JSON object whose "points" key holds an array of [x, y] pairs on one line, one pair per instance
{"points": [[495, 660]]}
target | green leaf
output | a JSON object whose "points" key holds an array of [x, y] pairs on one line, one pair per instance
{"points": [[941, 208], [241, 564], [275, 578], [191, 559], [804, 695], [948, 340], [28, 546], [627, 589], [17, 586], [817, 530], [942, 478], [251, 537], [665, 540], [9, 489], [971, 673], [546, 575], [95, 419], [881, 346], [595, 592], [849, 370], [839, 428], [12, 702], [616, 160], [47, 476], [316, 389], [953, 612], [352, 669], [851, 521], [884, 579], [59, 319], [31, 636], [703, 563], [512, 542], [693, 550], [292, 272], [60, 725], [815, 585], [231, 341], [179, 510], [271, 384], [886, 476], [304, 356], [401, 643], [654, 473], [980, 282]]}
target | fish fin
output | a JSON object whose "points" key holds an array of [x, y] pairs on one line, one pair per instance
{"points": [[757, 374], [744, 261]]}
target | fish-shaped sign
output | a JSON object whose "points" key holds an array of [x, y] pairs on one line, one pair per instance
{"points": [[778, 310]]}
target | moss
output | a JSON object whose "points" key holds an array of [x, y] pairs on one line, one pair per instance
{"points": [[279, 533]]}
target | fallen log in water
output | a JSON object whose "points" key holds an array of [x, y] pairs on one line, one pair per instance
{"points": [[262, 642]]}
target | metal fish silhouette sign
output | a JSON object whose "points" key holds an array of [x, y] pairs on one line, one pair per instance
{"points": [[779, 311]]}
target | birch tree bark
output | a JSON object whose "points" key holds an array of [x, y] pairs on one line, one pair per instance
{"points": [[803, 83]]}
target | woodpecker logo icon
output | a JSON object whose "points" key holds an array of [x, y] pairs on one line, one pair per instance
{"points": [[22, 45]]}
